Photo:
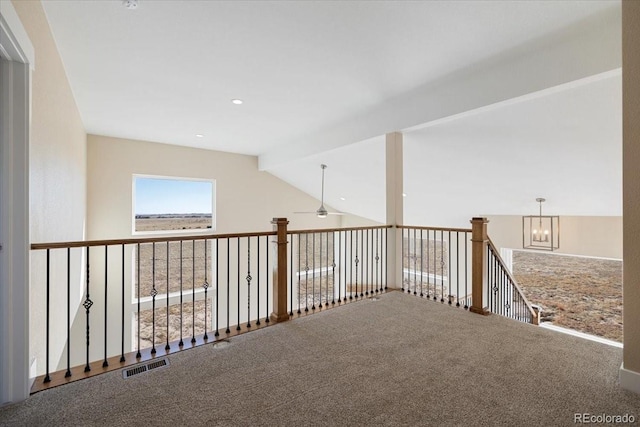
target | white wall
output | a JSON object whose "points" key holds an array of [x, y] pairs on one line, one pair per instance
{"points": [[246, 200], [598, 236], [57, 177]]}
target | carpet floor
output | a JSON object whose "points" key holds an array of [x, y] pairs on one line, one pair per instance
{"points": [[393, 360]]}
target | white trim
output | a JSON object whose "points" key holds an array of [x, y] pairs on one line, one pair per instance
{"points": [[534, 251], [14, 41], [582, 335], [629, 380], [15, 106]]}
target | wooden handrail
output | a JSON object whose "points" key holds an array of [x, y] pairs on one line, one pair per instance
{"points": [[111, 242], [331, 230], [413, 227], [496, 254]]}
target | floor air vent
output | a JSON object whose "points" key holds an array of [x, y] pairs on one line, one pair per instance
{"points": [[127, 373]]}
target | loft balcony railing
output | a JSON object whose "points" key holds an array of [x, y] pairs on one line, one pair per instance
{"points": [[143, 298]]}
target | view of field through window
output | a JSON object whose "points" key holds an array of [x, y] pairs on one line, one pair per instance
{"points": [[167, 204]]}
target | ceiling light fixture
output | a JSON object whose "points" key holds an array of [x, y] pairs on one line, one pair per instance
{"points": [[237, 101], [541, 231], [130, 4], [342, 198], [199, 135], [404, 194]]}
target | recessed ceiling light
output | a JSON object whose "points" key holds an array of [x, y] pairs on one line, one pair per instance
{"points": [[342, 198], [404, 194], [130, 4], [237, 101], [199, 135]]}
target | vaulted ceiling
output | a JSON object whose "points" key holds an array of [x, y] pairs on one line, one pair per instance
{"points": [[499, 101]]}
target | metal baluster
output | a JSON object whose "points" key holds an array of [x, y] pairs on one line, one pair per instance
{"points": [[306, 270], [357, 261], [47, 378], [365, 258], [154, 292], [68, 373], [167, 346], [466, 273], [181, 343], [449, 266], [105, 363], [351, 265], [87, 305], [266, 320], [415, 262], [193, 292], [217, 333], [458, 268], [238, 282], [299, 264], [122, 359], [421, 265], [313, 269], [258, 279], [333, 267], [249, 281], [205, 285], [378, 282], [320, 264], [386, 258], [341, 267], [228, 284], [138, 354], [441, 265], [290, 277]]}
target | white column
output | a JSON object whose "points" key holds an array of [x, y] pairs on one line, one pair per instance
{"points": [[395, 216]]}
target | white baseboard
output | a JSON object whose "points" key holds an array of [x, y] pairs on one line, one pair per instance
{"points": [[629, 380]]}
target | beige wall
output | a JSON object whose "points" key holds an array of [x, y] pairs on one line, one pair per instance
{"points": [[57, 165], [631, 183], [246, 198], [599, 236]]}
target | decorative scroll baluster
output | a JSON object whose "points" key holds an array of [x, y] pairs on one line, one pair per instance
{"points": [[249, 282], [47, 378], [154, 292], [351, 265], [105, 363], [341, 267], [68, 373], [205, 285], [87, 306]]}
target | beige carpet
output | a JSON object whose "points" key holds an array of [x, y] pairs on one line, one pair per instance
{"points": [[400, 360]]}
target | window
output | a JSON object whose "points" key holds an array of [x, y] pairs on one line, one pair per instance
{"points": [[167, 204]]}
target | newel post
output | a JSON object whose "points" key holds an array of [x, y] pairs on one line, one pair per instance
{"points": [[279, 313], [479, 241]]}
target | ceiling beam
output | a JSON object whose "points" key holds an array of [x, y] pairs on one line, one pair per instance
{"points": [[590, 48]]}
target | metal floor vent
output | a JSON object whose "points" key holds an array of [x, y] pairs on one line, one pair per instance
{"points": [[127, 373]]}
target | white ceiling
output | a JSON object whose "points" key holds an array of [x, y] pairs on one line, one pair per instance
{"points": [[309, 71]]}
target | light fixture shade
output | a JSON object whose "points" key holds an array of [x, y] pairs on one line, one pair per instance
{"points": [[541, 232]]}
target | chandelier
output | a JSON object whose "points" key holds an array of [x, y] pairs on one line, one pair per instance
{"points": [[541, 231]]}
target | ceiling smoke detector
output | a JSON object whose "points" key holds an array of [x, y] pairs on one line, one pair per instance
{"points": [[130, 4]]}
